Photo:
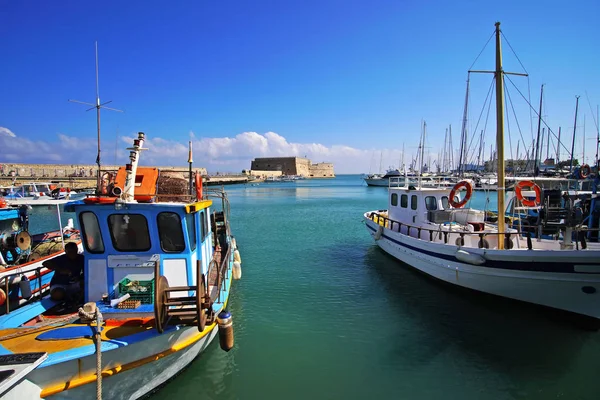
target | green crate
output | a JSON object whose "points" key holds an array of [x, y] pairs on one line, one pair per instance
{"points": [[138, 290]]}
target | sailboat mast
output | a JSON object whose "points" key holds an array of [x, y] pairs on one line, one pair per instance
{"points": [[537, 141], [558, 147], [574, 130], [500, 134]]}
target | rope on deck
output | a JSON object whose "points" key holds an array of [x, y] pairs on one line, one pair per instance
{"points": [[91, 315]]}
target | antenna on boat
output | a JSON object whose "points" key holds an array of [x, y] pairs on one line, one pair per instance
{"points": [[97, 106], [131, 168], [190, 162]]}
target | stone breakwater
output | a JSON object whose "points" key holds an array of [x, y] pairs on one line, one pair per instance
{"points": [[78, 176]]}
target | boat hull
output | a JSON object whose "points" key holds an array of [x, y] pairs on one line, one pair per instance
{"points": [[540, 277], [129, 372]]}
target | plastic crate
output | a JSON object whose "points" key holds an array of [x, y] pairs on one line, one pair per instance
{"points": [[138, 290]]}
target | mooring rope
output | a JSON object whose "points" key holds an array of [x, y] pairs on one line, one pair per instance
{"points": [[98, 317]]}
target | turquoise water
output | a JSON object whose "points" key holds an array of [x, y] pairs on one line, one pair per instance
{"points": [[322, 313]]}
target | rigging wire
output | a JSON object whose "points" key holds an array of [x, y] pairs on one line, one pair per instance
{"points": [[506, 101], [536, 113], [512, 105], [480, 115], [484, 46]]}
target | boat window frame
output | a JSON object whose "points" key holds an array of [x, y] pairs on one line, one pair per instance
{"points": [[190, 222], [202, 215], [414, 200], [434, 203], [445, 203], [394, 199], [170, 234], [404, 201], [88, 240], [112, 237]]}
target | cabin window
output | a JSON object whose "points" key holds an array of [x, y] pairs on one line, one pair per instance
{"points": [[431, 203], [394, 199], [445, 203], [413, 202], [191, 230], [170, 232], [91, 232], [129, 232], [203, 224], [404, 201]]}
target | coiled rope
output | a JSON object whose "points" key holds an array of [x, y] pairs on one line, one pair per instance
{"points": [[98, 317]]}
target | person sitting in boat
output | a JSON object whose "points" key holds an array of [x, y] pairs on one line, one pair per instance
{"points": [[66, 284]]}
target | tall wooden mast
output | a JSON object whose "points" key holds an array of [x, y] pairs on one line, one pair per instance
{"points": [[500, 134]]}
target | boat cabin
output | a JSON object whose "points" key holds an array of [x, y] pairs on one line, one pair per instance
{"points": [[123, 241]]}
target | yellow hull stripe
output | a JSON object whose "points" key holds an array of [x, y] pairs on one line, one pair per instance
{"points": [[52, 390]]}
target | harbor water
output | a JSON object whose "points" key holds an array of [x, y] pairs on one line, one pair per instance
{"points": [[322, 313]]}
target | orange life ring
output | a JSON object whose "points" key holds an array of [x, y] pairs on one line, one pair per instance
{"points": [[3, 203], [198, 186], [532, 186], [99, 200], [587, 170], [462, 184]]}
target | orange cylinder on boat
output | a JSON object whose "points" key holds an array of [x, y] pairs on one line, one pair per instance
{"points": [[2, 297]]}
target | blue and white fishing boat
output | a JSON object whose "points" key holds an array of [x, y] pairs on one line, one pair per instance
{"points": [[157, 278], [429, 229]]}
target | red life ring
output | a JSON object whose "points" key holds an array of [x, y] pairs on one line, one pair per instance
{"points": [[587, 170], [99, 200], [532, 186], [3, 203], [198, 186], [462, 184]]}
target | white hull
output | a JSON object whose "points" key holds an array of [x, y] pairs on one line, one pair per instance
{"points": [[39, 201], [129, 384], [560, 290], [377, 182]]}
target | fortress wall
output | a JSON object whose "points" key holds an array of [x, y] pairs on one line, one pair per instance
{"points": [[322, 170]]}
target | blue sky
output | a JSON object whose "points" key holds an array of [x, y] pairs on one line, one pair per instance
{"points": [[337, 81]]}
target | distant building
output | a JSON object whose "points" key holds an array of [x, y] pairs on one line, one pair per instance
{"points": [[293, 166]]}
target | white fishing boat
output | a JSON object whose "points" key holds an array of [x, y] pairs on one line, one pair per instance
{"points": [[38, 194], [429, 230], [156, 280]]}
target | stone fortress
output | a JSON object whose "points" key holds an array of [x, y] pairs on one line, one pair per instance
{"points": [[272, 166]]}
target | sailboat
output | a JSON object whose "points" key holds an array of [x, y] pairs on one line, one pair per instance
{"points": [[430, 230]]}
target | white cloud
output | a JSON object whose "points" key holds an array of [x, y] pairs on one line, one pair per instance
{"points": [[225, 154], [6, 132]]}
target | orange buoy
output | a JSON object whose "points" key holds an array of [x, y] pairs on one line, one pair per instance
{"points": [[462, 184], [3, 203], [584, 171], [198, 186], [99, 200], [2, 297], [532, 186]]}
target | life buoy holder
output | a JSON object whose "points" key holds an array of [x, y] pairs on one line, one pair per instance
{"points": [[584, 171], [99, 200], [198, 186], [462, 184], [532, 186]]}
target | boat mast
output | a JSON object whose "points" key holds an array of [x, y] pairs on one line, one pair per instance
{"points": [[574, 130], [463, 134], [558, 148], [500, 134], [97, 106], [537, 141]]}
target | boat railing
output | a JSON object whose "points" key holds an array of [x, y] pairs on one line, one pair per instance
{"points": [[216, 273], [429, 234]]}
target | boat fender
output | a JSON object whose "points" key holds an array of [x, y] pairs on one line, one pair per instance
{"points": [[2, 297], [236, 256], [225, 330], [25, 287], [469, 258], [233, 244], [237, 270], [379, 232]]}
